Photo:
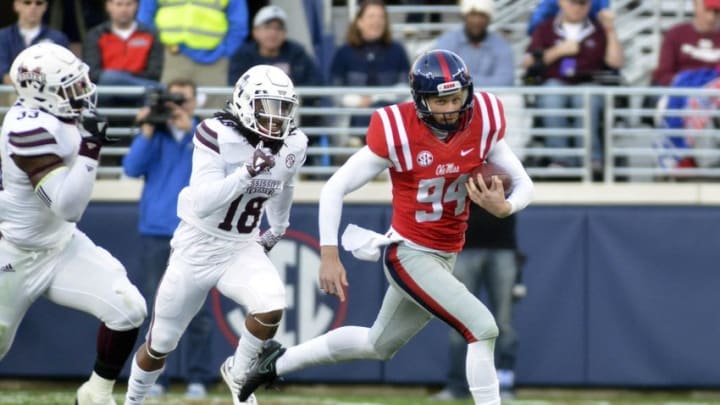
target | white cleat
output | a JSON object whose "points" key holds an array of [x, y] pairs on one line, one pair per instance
{"points": [[233, 385], [86, 395]]}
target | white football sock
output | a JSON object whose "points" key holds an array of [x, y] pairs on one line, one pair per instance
{"points": [[247, 350], [139, 383], [346, 343], [481, 375]]}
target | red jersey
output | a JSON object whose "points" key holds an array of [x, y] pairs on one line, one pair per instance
{"points": [[430, 203]]}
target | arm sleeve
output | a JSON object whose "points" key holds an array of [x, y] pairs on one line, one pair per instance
{"points": [[666, 68], [359, 169], [597, 6], [61, 39], [536, 42], [237, 14], [544, 10], [5, 58], [142, 152], [91, 54], [146, 12], [523, 188], [209, 187], [503, 74], [156, 59], [375, 137], [67, 190], [278, 209], [237, 66]]}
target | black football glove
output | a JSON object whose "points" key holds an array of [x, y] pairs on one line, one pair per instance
{"points": [[96, 126], [262, 160], [94, 134], [268, 240]]}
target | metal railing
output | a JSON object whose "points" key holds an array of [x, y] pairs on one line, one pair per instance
{"points": [[635, 149]]}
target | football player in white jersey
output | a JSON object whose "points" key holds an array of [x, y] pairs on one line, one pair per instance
{"points": [[244, 164], [50, 144]]}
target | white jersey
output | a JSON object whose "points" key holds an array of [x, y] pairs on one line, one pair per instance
{"points": [[222, 200], [25, 220]]}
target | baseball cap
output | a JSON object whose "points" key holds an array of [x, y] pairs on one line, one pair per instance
{"points": [[480, 6], [269, 13], [712, 4]]}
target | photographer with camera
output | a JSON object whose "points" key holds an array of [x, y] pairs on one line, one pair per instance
{"points": [[162, 154]]}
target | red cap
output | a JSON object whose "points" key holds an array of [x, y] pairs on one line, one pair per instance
{"points": [[712, 4]]}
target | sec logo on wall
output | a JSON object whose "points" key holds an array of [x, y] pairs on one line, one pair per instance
{"points": [[309, 312]]}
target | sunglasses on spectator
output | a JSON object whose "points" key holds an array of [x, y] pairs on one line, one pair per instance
{"points": [[36, 2], [580, 2]]}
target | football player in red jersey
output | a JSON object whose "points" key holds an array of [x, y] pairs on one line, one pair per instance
{"points": [[429, 145]]}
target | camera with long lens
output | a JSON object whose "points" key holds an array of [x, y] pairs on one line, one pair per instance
{"points": [[159, 111]]}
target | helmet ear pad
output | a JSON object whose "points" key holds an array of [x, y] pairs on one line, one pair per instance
{"points": [[441, 72]]}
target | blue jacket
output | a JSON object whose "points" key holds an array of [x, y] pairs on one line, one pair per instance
{"points": [[12, 43], [292, 59], [237, 16], [549, 8], [166, 166]]}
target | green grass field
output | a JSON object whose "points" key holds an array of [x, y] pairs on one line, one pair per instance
{"points": [[62, 393]]}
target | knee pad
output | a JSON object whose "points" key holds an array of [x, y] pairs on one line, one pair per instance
{"points": [[163, 337], [132, 309], [268, 294]]}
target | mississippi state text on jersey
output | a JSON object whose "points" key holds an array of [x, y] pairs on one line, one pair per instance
{"points": [[223, 148]]}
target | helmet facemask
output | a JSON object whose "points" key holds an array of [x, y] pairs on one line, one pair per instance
{"points": [[80, 94], [273, 116], [450, 121]]}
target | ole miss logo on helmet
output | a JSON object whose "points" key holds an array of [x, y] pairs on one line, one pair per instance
{"points": [[309, 312]]}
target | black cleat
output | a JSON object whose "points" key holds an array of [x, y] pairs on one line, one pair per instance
{"points": [[263, 372]]}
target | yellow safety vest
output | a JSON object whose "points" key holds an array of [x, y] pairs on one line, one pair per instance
{"points": [[199, 24]]}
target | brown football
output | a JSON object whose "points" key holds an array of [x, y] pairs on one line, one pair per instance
{"points": [[487, 170]]}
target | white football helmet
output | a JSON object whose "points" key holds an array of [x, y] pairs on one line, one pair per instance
{"points": [[51, 78], [264, 101]]}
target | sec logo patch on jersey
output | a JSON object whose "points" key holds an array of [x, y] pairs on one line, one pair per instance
{"points": [[425, 158], [290, 160]]}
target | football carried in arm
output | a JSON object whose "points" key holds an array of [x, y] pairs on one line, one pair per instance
{"points": [[487, 171]]}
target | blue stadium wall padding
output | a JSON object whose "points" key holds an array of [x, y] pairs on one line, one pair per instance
{"points": [[617, 296]]}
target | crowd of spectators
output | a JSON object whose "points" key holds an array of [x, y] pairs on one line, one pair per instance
{"points": [[572, 43]]}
